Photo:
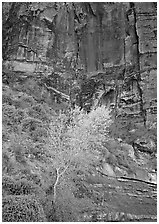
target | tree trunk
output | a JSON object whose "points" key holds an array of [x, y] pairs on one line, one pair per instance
{"points": [[54, 200], [55, 185], [57, 180]]}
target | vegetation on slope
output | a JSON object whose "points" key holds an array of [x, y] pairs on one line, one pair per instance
{"points": [[22, 209], [53, 157], [43, 151]]}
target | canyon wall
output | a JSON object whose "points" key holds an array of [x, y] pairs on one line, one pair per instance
{"points": [[111, 46]]}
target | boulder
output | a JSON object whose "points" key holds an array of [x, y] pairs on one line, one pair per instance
{"points": [[108, 170]]}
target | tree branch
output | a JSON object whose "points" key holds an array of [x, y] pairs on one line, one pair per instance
{"points": [[64, 170]]}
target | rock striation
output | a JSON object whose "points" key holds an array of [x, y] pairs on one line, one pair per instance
{"points": [[115, 43]]}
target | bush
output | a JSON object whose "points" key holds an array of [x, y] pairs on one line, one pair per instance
{"points": [[7, 162], [39, 135], [38, 111], [12, 117], [6, 99], [22, 209], [30, 124], [8, 114], [18, 187], [26, 101]]}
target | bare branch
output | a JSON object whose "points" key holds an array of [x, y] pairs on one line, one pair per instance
{"points": [[65, 169]]}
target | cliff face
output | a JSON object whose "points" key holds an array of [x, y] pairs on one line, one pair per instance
{"points": [[56, 55], [111, 46]]}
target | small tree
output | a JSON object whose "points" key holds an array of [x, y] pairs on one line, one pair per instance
{"points": [[78, 142]]}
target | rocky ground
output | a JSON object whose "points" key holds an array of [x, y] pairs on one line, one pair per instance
{"points": [[121, 200]]}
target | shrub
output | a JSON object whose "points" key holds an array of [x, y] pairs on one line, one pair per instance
{"points": [[18, 187], [39, 135], [38, 111], [6, 99], [12, 117], [5, 133], [7, 162], [7, 94], [8, 114], [30, 124], [38, 152], [22, 209], [27, 100]]}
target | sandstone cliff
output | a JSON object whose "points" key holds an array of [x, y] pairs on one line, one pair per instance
{"points": [[113, 44]]}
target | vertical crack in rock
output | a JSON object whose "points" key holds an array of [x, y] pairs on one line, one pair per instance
{"points": [[132, 6], [143, 111]]}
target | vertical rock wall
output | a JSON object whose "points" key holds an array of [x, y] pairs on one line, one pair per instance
{"points": [[146, 26], [113, 44]]}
